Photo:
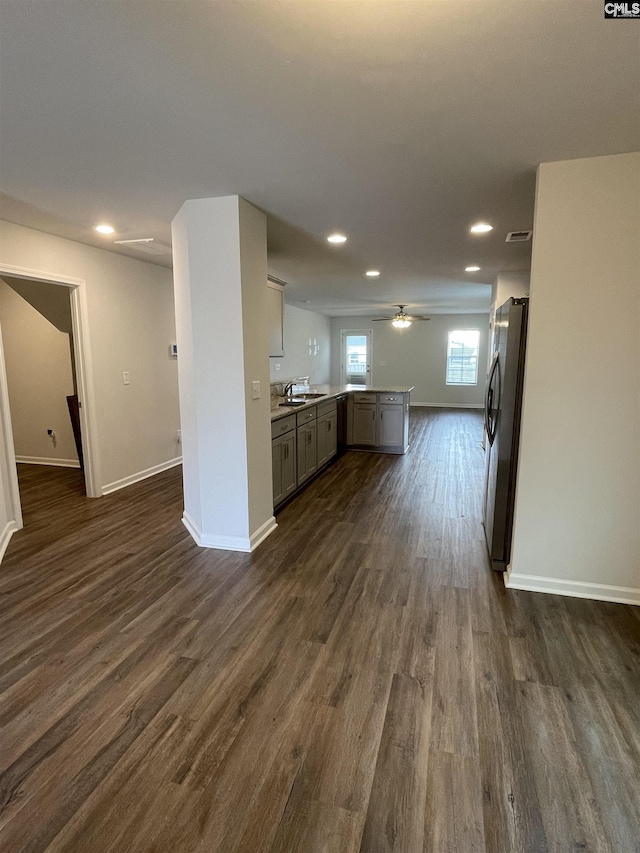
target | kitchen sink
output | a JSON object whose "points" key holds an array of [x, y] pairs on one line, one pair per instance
{"points": [[308, 396], [292, 401]]}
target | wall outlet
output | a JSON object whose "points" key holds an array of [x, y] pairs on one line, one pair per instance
{"points": [[125, 378], [179, 436], [255, 390]]}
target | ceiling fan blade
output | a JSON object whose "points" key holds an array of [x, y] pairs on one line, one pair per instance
{"points": [[380, 319]]}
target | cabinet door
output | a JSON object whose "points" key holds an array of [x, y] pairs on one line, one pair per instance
{"points": [[327, 437], [276, 464], [283, 457], [364, 424], [307, 451], [391, 427], [289, 464]]}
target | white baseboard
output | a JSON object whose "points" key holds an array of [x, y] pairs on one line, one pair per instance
{"points": [[574, 589], [140, 475], [229, 543], [450, 405], [47, 460], [9, 529]]}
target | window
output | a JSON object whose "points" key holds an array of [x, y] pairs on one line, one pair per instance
{"points": [[462, 357]]}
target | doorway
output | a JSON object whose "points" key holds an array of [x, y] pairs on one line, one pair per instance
{"points": [[355, 357], [85, 409]]}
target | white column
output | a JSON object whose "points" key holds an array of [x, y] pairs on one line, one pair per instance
{"points": [[220, 284], [576, 529]]}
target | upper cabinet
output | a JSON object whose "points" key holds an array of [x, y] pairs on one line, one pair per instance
{"points": [[275, 317]]}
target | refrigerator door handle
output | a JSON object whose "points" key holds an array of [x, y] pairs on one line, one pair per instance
{"points": [[488, 401]]}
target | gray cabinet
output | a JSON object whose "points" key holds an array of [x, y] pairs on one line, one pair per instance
{"points": [[283, 458], [307, 451], [327, 437], [379, 421], [363, 424], [390, 426]]}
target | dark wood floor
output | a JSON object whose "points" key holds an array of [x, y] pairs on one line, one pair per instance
{"points": [[363, 682]]}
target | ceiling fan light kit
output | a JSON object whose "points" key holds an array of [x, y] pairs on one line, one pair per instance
{"points": [[401, 320]]}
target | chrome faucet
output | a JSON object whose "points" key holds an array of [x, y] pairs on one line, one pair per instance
{"points": [[288, 388]]}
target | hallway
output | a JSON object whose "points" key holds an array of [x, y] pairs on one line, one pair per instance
{"points": [[362, 682]]}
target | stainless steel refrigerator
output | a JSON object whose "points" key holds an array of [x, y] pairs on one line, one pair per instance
{"points": [[503, 403]]}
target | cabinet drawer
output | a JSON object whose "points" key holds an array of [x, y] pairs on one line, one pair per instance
{"points": [[306, 416], [364, 397], [283, 425], [327, 408], [391, 399]]}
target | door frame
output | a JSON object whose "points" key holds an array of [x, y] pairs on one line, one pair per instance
{"points": [[368, 333], [84, 376]]}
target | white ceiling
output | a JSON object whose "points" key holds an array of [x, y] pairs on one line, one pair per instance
{"points": [[400, 123]]}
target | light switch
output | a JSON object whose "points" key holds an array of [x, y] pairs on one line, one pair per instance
{"points": [[277, 365], [125, 377], [255, 390]]}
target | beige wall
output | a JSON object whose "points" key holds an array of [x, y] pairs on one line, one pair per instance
{"points": [[131, 324], [301, 327], [39, 378], [578, 496], [417, 356]]}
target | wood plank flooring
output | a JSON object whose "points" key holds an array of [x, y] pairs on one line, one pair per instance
{"points": [[363, 682]]}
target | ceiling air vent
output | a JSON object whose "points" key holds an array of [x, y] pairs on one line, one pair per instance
{"points": [[518, 236], [146, 244]]}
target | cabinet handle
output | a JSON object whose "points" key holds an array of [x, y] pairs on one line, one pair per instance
{"points": [[373, 415]]}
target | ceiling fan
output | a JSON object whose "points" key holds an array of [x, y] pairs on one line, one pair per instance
{"points": [[401, 320]]}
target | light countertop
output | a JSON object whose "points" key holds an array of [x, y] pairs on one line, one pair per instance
{"points": [[330, 391]]}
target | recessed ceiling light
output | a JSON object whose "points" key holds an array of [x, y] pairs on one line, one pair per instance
{"points": [[105, 229], [337, 238], [471, 269], [481, 228], [372, 273]]}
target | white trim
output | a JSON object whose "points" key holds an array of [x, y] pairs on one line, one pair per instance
{"points": [[47, 460], [86, 396], [262, 532], [84, 376], [450, 405], [574, 589], [9, 529], [140, 475], [8, 462], [229, 543], [38, 275]]}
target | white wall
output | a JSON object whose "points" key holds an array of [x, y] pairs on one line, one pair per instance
{"points": [[301, 329], [131, 324], [417, 356], [578, 496], [508, 284], [39, 378]]}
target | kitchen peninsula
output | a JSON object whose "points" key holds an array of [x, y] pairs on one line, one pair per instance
{"points": [[309, 429]]}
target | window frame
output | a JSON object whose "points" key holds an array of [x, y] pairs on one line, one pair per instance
{"points": [[447, 379]]}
